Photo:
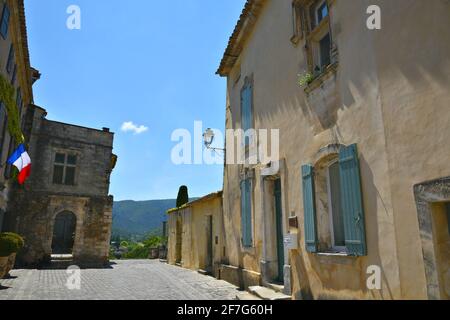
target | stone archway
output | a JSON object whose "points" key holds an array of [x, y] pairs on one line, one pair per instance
{"points": [[64, 229]]}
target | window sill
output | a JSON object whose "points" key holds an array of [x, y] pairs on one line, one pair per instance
{"points": [[334, 254], [320, 79]]}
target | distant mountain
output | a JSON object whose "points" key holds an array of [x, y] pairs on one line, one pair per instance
{"points": [[137, 218]]}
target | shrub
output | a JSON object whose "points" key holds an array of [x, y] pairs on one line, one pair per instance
{"points": [[20, 240], [8, 245], [183, 196]]}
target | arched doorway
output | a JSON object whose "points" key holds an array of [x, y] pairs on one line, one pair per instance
{"points": [[64, 233]]}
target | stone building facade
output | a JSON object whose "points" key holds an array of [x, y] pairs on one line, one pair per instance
{"points": [[361, 182], [14, 68], [64, 207]]}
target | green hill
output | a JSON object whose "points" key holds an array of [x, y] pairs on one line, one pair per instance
{"points": [[138, 218]]}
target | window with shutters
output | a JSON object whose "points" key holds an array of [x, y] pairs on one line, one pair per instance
{"points": [[4, 23], [246, 213], [64, 168], [332, 201]]}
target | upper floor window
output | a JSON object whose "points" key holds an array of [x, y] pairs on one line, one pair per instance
{"points": [[10, 63], [4, 23], [321, 12], [64, 169], [247, 109]]}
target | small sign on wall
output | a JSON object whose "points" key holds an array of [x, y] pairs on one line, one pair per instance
{"points": [[290, 241]]}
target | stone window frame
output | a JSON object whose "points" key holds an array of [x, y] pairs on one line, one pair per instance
{"points": [[427, 194], [312, 35], [66, 153]]}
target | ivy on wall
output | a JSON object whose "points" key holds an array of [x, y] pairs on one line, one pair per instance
{"points": [[7, 92]]}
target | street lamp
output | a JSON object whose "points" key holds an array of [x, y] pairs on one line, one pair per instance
{"points": [[208, 138]]}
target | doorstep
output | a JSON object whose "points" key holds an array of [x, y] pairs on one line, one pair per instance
{"points": [[268, 294]]}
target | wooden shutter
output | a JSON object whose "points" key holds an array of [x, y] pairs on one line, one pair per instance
{"points": [[246, 213], [246, 107], [309, 208], [352, 205]]}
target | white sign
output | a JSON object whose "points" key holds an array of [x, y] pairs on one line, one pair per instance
{"points": [[290, 241]]}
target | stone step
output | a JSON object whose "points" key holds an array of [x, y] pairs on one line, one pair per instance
{"points": [[276, 287], [267, 293], [246, 296]]}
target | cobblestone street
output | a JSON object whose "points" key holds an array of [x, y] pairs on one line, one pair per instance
{"points": [[127, 279]]}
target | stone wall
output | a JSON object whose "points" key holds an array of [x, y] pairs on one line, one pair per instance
{"points": [[34, 206]]}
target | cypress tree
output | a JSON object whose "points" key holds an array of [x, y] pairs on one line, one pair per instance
{"points": [[183, 196]]}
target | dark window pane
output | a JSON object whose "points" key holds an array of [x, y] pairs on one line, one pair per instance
{"points": [[5, 21], [58, 174], [10, 63], [70, 176], [337, 217], [72, 159], [325, 48], [60, 158]]}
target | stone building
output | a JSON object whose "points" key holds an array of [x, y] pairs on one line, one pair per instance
{"points": [[195, 235], [15, 69], [64, 207], [362, 180]]}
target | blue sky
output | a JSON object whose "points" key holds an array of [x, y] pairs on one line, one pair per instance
{"points": [[149, 62]]}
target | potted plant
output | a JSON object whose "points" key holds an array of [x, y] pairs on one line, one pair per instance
{"points": [[8, 246], [12, 257], [304, 79]]}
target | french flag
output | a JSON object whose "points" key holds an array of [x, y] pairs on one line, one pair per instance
{"points": [[21, 160]]}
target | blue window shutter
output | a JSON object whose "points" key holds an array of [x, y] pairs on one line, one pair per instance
{"points": [[352, 205], [246, 213], [309, 208], [246, 107], [4, 23]]}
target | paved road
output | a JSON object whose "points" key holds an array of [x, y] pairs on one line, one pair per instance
{"points": [[131, 279]]}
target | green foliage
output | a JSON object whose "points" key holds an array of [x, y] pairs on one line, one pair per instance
{"points": [[141, 250], [305, 79], [7, 93], [182, 197], [124, 244], [20, 240], [8, 245]]}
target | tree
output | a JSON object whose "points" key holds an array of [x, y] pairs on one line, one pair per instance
{"points": [[183, 196]]}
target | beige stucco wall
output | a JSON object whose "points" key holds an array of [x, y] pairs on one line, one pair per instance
{"points": [[391, 96], [194, 220]]}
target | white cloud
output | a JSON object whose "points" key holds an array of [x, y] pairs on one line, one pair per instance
{"points": [[130, 126]]}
